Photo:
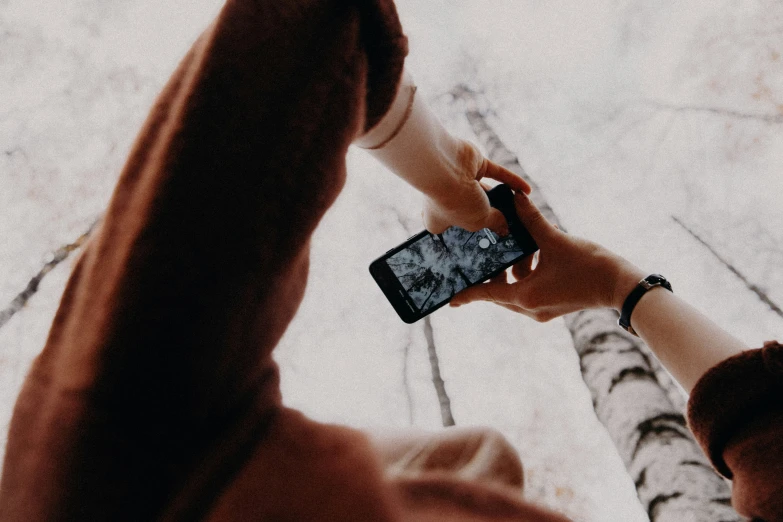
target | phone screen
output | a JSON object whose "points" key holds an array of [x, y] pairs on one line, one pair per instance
{"points": [[435, 267]]}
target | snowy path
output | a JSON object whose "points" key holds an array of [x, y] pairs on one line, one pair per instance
{"points": [[627, 114]]}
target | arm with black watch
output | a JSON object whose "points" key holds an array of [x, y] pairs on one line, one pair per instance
{"points": [[575, 274], [645, 285], [685, 341]]}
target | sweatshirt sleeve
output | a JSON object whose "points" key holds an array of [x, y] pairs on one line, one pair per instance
{"points": [[159, 356], [736, 414]]}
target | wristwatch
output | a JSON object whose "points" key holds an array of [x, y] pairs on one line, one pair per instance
{"points": [[649, 282]]}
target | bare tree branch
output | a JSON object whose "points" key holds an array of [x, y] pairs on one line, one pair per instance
{"points": [[761, 294], [440, 387], [57, 257], [406, 387], [719, 111]]}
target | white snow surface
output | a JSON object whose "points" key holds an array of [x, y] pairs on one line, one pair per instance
{"points": [[626, 113]]}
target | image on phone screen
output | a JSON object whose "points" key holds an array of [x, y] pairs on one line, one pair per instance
{"points": [[437, 266]]}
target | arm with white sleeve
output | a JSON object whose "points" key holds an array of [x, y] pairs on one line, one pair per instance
{"points": [[413, 144]]}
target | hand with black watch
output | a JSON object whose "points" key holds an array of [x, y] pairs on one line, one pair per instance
{"points": [[574, 274]]}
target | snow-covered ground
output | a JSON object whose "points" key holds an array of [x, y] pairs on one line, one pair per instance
{"points": [[635, 118]]}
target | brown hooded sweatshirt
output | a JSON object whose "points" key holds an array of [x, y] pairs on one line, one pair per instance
{"points": [[156, 396]]}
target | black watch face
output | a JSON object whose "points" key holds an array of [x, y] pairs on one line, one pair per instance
{"points": [[659, 279]]}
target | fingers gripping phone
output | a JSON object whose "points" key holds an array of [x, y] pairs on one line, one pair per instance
{"points": [[424, 273]]}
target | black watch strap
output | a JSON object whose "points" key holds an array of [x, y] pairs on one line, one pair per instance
{"points": [[649, 282]]}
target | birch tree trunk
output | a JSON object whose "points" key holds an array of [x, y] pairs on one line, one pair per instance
{"points": [[633, 396]]}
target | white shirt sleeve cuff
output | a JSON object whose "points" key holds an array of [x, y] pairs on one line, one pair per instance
{"points": [[394, 119]]}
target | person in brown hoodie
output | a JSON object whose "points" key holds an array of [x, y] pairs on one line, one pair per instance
{"points": [[156, 396]]}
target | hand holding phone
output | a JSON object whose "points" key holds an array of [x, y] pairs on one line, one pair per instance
{"points": [[573, 274], [424, 273]]}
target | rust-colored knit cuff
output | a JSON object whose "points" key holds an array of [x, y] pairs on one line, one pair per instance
{"points": [[731, 394]]}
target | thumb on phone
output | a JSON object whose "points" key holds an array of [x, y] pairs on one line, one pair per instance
{"points": [[535, 222], [497, 223]]}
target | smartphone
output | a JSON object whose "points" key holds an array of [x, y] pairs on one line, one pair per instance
{"points": [[424, 273]]}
